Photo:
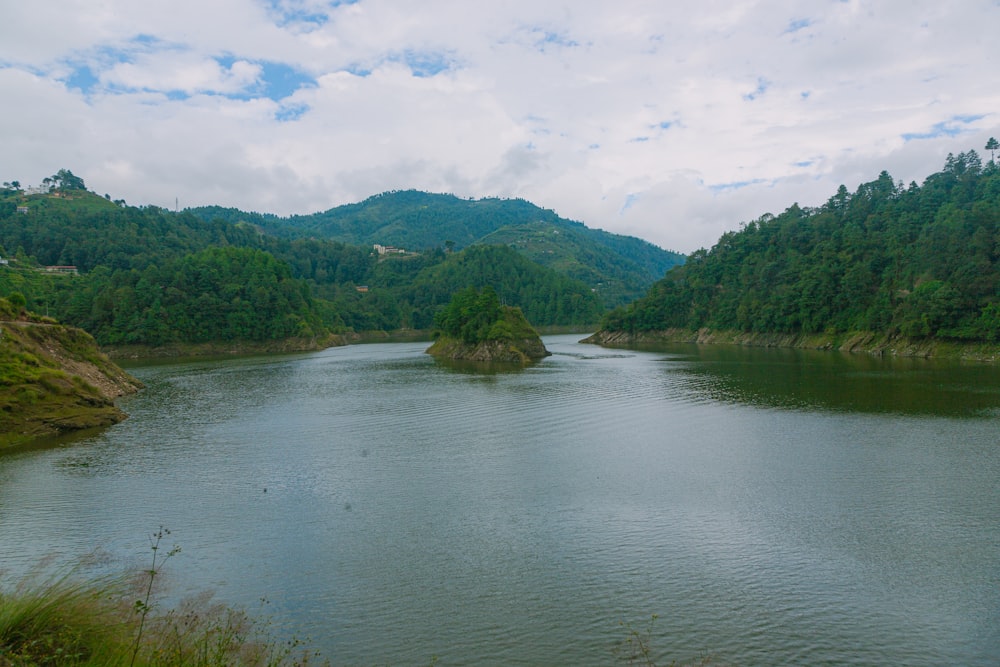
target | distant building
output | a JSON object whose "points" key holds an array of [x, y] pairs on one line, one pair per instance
{"points": [[388, 250], [70, 270], [3, 262], [22, 209], [362, 288]]}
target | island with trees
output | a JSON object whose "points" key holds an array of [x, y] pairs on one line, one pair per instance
{"points": [[476, 326]]}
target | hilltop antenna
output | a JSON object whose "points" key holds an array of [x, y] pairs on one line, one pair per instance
{"points": [[175, 204]]}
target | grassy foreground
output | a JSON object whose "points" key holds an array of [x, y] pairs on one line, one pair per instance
{"points": [[67, 623], [62, 621]]}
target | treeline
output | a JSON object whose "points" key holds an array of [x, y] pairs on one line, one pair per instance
{"points": [[921, 261], [222, 293]]}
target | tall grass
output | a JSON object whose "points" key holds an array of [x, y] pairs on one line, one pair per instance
{"points": [[73, 621], [61, 621]]}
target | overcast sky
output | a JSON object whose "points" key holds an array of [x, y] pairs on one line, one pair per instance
{"points": [[671, 121]]}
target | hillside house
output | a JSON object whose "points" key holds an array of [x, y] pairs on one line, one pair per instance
{"points": [[65, 270]]}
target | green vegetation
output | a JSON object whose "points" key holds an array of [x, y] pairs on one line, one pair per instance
{"points": [[545, 296], [475, 316], [53, 379], [918, 261], [150, 277], [913, 261], [215, 294], [64, 621], [475, 325], [617, 267]]}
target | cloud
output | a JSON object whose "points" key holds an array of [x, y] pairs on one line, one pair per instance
{"points": [[188, 73], [631, 117]]}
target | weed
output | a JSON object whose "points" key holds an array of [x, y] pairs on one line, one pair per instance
{"points": [[143, 607], [637, 648], [64, 622]]}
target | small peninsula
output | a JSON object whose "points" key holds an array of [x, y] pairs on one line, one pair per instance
{"points": [[475, 326], [53, 378]]}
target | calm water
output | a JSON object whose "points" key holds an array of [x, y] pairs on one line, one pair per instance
{"points": [[772, 507]]}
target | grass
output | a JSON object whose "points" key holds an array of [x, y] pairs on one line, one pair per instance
{"points": [[64, 621], [42, 391], [59, 622]]}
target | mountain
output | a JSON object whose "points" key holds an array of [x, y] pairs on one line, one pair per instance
{"points": [[917, 262], [619, 268]]}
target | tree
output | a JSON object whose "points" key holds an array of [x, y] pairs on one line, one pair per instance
{"points": [[65, 179], [992, 145], [17, 300], [470, 314]]}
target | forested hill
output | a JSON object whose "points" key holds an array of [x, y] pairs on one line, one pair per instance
{"points": [[145, 276], [917, 261], [619, 267]]}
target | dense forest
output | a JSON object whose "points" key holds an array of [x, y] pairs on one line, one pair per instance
{"points": [[919, 261], [146, 275], [619, 268]]}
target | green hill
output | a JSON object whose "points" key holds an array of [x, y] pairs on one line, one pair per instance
{"points": [[545, 296], [618, 267], [145, 276], [921, 262]]}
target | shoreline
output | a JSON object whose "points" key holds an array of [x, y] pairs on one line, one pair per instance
{"points": [[860, 342], [290, 345]]}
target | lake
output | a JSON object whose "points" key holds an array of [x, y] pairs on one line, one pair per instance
{"points": [[771, 507]]}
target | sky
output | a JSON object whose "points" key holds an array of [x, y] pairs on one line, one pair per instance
{"points": [[674, 122]]}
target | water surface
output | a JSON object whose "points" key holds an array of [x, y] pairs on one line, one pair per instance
{"points": [[772, 507]]}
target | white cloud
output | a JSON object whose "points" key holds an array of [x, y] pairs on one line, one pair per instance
{"points": [[633, 117], [187, 73]]}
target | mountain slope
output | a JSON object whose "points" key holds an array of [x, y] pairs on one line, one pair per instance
{"points": [[544, 295], [921, 262], [618, 267]]}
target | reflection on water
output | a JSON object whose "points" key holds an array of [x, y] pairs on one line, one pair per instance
{"points": [[479, 367], [810, 379], [773, 507]]}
